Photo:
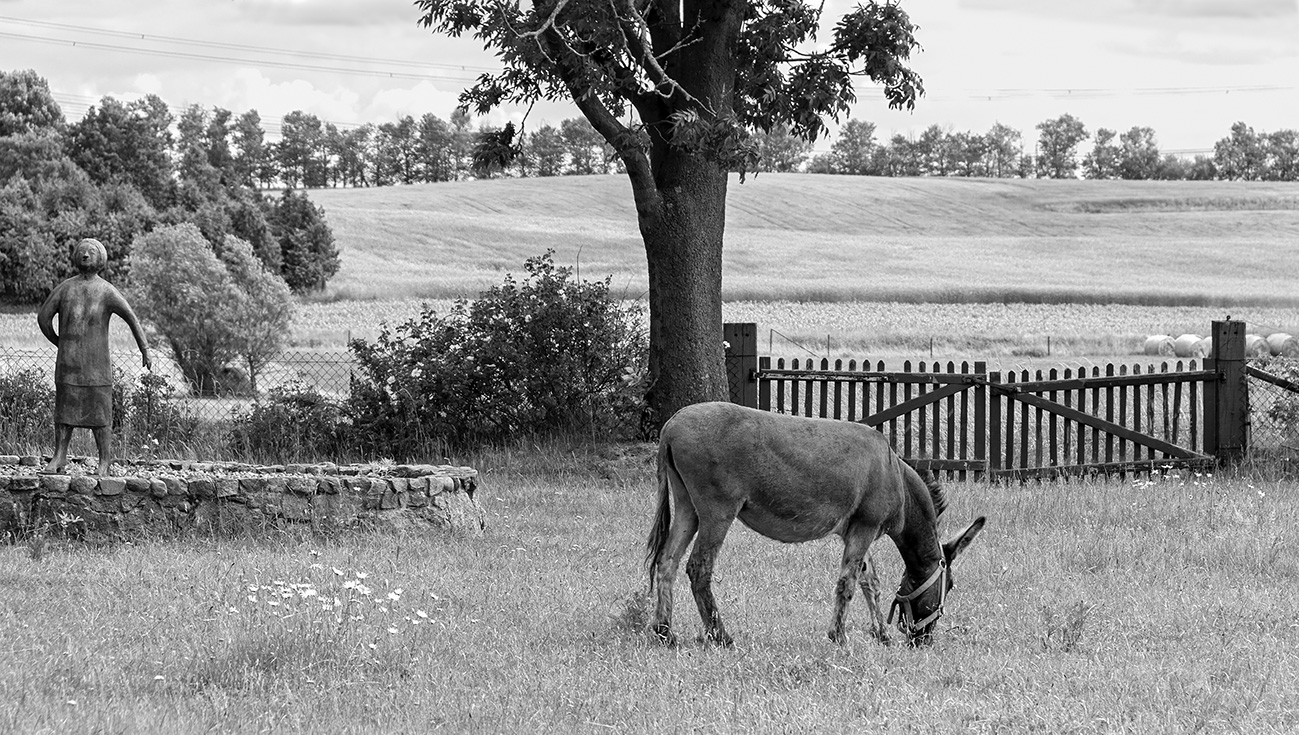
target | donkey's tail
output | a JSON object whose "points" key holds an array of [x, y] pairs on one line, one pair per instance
{"points": [[658, 537]]}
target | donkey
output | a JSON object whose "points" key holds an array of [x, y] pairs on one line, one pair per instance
{"points": [[796, 479]]}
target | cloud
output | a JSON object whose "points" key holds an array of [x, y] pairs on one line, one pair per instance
{"points": [[1119, 10], [328, 12]]}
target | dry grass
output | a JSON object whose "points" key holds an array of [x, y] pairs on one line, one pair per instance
{"points": [[1111, 607]]}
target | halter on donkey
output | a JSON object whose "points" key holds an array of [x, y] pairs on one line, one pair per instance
{"points": [[796, 479]]}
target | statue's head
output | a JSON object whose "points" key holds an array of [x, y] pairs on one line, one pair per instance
{"points": [[89, 256]]}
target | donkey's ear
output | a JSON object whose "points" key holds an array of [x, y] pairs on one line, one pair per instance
{"points": [[954, 547]]}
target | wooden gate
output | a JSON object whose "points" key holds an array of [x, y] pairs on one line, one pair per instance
{"points": [[961, 421]]}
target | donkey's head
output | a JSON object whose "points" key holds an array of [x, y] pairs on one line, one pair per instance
{"points": [[919, 605]]}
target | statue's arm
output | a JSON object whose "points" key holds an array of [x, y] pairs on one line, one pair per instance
{"points": [[124, 310], [45, 317]]}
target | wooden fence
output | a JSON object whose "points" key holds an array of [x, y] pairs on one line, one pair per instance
{"points": [[962, 421]]}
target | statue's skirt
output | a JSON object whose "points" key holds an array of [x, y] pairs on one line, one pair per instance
{"points": [[83, 405]]}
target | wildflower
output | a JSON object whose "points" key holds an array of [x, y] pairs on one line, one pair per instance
{"points": [[337, 572], [252, 598], [362, 575], [307, 592], [395, 595], [421, 614], [272, 603], [393, 631]]}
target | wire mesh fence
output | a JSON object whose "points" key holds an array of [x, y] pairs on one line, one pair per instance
{"points": [[162, 409], [1274, 408]]}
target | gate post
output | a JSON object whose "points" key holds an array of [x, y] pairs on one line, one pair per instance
{"points": [[1226, 400], [741, 341]]}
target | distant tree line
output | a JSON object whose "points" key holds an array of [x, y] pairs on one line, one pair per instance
{"points": [[1059, 153], [121, 171]]}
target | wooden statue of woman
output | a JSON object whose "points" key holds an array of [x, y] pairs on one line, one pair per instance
{"points": [[83, 375]]}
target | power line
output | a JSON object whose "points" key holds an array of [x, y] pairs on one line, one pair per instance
{"points": [[234, 60], [247, 47], [997, 95]]}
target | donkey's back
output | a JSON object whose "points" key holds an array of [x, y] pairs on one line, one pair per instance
{"points": [[789, 478]]}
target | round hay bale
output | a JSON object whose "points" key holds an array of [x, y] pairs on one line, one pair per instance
{"points": [[1256, 346], [1183, 345], [1202, 348], [1161, 345], [1283, 345]]}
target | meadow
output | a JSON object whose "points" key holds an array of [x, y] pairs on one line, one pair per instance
{"points": [[810, 238], [1161, 604], [1152, 606]]}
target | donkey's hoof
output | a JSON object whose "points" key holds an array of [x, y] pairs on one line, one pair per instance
{"points": [[837, 636], [721, 640], [663, 636]]}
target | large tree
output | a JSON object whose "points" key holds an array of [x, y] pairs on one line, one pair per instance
{"points": [[854, 151], [698, 74], [1057, 146]]}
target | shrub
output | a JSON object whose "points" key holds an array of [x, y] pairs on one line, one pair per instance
{"points": [[26, 408], [543, 355], [146, 416], [293, 422]]}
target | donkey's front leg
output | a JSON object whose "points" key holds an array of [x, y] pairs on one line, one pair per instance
{"points": [[856, 541], [870, 587]]}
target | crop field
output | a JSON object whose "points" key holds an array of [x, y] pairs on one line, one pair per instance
{"points": [[808, 238], [840, 265], [1161, 606]]}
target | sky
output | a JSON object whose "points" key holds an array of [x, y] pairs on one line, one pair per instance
{"points": [[1187, 68]]}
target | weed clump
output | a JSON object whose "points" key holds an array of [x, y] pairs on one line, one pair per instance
{"points": [[1063, 631]]}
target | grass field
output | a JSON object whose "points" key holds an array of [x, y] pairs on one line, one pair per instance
{"points": [[1152, 607], [796, 237], [841, 265]]}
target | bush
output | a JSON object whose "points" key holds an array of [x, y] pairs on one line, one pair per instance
{"points": [[26, 409], [146, 417], [549, 354], [295, 422]]}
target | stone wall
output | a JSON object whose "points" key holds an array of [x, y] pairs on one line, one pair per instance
{"points": [[168, 497]]}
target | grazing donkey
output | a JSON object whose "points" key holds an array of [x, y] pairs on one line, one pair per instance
{"points": [[796, 479]]}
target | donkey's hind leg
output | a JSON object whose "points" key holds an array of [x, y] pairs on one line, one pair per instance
{"points": [[856, 542], [683, 527], [712, 532], [870, 587]]}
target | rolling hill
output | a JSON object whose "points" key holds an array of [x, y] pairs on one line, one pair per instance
{"points": [[836, 238]]}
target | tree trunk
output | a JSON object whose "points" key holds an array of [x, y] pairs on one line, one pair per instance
{"points": [[683, 247]]}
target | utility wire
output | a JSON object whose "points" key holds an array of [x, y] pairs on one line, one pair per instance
{"points": [[233, 60], [247, 47]]}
